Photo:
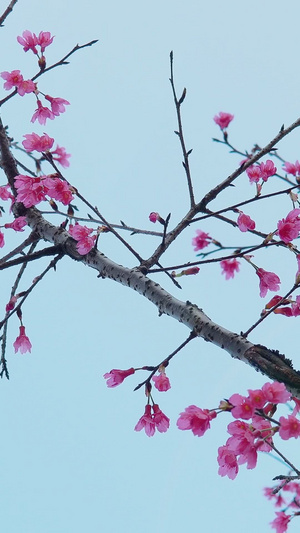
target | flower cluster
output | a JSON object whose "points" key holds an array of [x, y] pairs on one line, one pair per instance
{"points": [[287, 501], [286, 306], [288, 228], [261, 171], [82, 234], [153, 419], [31, 191], [44, 143]]}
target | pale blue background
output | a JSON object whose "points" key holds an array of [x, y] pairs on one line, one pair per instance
{"points": [[70, 460]]}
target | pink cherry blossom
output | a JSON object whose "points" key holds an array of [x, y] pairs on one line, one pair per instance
{"points": [[57, 105], [201, 240], [60, 155], [161, 421], [85, 245], [289, 227], [146, 422], [276, 392], [230, 267], [289, 427], [28, 41], [11, 304], [116, 377], [2, 242], [281, 522], [42, 113], [291, 168], [245, 223], [58, 190], [5, 193], [268, 281], [223, 119], [30, 190], [196, 419], [254, 173], [36, 142], [22, 342], [13, 79], [257, 398], [79, 232], [242, 406], [267, 169], [154, 217], [18, 224], [26, 87], [227, 460], [162, 382], [44, 39]]}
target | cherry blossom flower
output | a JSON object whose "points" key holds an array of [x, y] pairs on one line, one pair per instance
{"points": [[289, 227], [60, 155], [269, 493], [82, 235], [201, 240], [230, 267], [276, 392], [281, 522], [196, 419], [161, 382], [28, 41], [223, 119], [58, 189], [44, 39], [2, 242], [244, 222], [291, 168], [57, 105], [18, 224], [42, 113], [161, 421], [289, 427], [257, 398], [267, 169], [26, 87], [22, 342], [146, 422], [268, 281], [11, 304], [36, 142], [116, 377], [30, 190], [254, 173], [227, 460], [85, 245], [154, 217], [13, 79], [242, 406], [5, 193]]}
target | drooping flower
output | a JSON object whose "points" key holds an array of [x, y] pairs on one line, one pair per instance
{"points": [[42, 113], [230, 267], [253, 173], [33, 141], [2, 242], [26, 87], [22, 342], [146, 422], [291, 168], [268, 281], [44, 39], [196, 419], [289, 427], [18, 224], [161, 382], [82, 234], [201, 240], [116, 377], [223, 119], [267, 169], [58, 190], [161, 421], [60, 155], [245, 223], [5, 193], [289, 227], [228, 465], [57, 104], [281, 522]]}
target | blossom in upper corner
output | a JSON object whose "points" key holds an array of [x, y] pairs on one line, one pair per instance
{"points": [[146, 422], [42, 113], [288, 228], [36, 142], [230, 267], [22, 342], [267, 281], [162, 382], [201, 240], [223, 119], [276, 392], [116, 377], [228, 465], [289, 427], [196, 419], [57, 104], [28, 41], [281, 522], [245, 223], [267, 169]]}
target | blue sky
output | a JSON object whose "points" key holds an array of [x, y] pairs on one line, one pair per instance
{"points": [[70, 459]]}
